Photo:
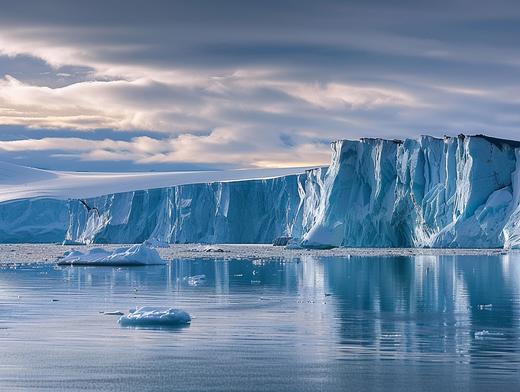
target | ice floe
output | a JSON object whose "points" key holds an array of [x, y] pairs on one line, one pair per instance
{"points": [[196, 280], [485, 334], [150, 316], [135, 255], [114, 313]]}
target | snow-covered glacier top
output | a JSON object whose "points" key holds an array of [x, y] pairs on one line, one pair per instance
{"points": [[20, 182]]}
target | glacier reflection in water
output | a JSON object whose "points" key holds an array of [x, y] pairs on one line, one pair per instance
{"points": [[364, 323]]}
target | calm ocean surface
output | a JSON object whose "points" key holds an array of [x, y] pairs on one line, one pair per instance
{"points": [[423, 323]]}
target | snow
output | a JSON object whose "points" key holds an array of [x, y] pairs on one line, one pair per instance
{"points": [[20, 182], [135, 255], [148, 316]]}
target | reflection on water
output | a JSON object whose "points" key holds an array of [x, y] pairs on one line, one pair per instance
{"points": [[364, 323]]}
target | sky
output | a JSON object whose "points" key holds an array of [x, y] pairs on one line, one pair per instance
{"points": [[202, 85]]}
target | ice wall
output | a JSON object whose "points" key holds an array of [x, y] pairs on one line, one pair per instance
{"points": [[33, 221], [254, 211], [428, 192], [451, 192]]}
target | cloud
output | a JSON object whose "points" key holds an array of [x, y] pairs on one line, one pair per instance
{"points": [[220, 145], [231, 83], [146, 104]]}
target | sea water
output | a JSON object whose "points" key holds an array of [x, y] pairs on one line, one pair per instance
{"points": [[419, 323]]}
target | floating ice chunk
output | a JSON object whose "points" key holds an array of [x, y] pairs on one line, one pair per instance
{"points": [[114, 313], [155, 243], [196, 280], [135, 255], [150, 316], [485, 334]]}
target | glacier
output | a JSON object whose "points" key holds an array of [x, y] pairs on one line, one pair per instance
{"points": [[429, 192], [452, 192]]}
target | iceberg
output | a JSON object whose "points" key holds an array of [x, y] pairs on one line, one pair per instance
{"points": [[451, 192], [135, 255], [148, 316], [195, 280]]}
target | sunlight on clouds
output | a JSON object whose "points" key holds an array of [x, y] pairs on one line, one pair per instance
{"points": [[145, 104], [118, 104], [335, 95], [220, 145], [267, 95]]}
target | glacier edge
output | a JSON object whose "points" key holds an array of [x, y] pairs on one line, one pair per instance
{"points": [[454, 192]]}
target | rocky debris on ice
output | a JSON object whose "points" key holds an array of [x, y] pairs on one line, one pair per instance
{"points": [[208, 249], [150, 316], [135, 255], [212, 249]]}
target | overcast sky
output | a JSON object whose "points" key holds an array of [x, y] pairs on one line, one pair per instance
{"points": [[169, 85]]}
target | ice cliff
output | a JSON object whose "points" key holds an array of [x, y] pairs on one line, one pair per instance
{"points": [[428, 192], [254, 211]]}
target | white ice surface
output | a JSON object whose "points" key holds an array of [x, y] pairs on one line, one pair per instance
{"points": [[20, 182], [148, 316], [135, 255]]}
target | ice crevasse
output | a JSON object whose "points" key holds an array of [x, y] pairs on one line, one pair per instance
{"points": [[428, 192]]}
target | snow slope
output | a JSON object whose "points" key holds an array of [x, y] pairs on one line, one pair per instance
{"points": [[20, 182]]}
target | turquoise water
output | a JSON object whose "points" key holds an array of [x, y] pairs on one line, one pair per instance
{"points": [[421, 323]]}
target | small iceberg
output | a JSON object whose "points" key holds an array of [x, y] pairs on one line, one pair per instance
{"points": [[196, 280], [485, 334], [150, 316], [113, 313], [135, 255]]}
